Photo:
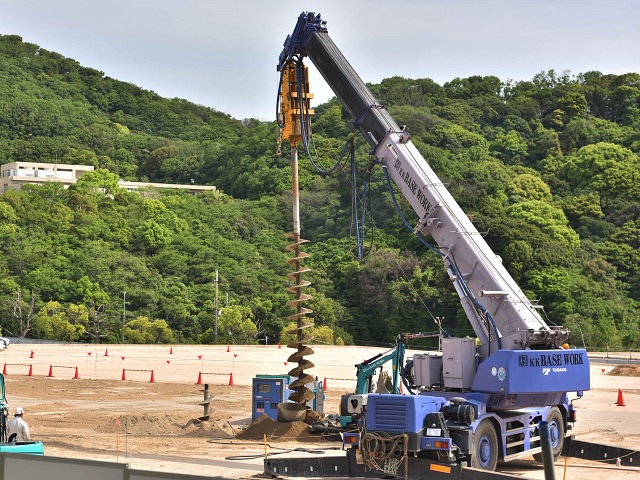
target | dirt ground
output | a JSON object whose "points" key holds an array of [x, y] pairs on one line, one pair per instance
{"points": [[154, 425]]}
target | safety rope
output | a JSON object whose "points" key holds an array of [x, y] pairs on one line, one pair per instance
{"points": [[385, 454]]}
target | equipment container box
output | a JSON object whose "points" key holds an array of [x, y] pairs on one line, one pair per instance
{"points": [[427, 369], [458, 362], [268, 392]]}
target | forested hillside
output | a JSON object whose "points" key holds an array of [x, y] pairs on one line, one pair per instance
{"points": [[549, 169]]}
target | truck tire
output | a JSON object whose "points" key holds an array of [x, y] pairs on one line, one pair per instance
{"points": [[484, 454], [556, 431]]}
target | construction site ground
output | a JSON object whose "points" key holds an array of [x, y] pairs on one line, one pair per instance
{"points": [[140, 405]]}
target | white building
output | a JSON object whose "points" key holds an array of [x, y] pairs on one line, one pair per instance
{"points": [[133, 186], [16, 174]]}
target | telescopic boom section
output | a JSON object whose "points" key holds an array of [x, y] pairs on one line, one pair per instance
{"points": [[500, 313]]}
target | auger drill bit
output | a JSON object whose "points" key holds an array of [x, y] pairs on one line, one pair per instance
{"points": [[295, 118], [301, 393]]}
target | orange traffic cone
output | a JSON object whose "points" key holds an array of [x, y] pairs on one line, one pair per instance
{"points": [[199, 382], [171, 351], [228, 348], [124, 377], [231, 379], [76, 376], [4, 369], [620, 401], [324, 385], [106, 352], [31, 354], [30, 374], [152, 380], [279, 346], [50, 371]]}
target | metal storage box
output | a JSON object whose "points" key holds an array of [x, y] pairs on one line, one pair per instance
{"points": [[427, 369], [458, 362]]}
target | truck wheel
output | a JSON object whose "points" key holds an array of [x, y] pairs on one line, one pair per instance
{"points": [[556, 431], [485, 447]]}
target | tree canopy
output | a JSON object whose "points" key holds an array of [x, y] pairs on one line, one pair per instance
{"points": [[548, 168]]}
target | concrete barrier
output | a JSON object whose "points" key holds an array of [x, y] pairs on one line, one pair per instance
{"points": [[14, 465]]}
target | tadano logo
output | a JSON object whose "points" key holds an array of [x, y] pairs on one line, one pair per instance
{"points": [[545, 371]]}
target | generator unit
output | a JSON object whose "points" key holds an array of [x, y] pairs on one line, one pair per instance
{"points": [[268, 391]]}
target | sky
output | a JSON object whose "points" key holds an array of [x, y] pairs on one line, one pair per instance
{"points": [[223, 53]]}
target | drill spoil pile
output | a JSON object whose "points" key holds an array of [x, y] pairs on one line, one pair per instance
{"points": [[167, 425], [625, 371], [285, 431]]}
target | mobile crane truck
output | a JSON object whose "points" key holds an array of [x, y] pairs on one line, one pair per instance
{"points": [[483, 398]]}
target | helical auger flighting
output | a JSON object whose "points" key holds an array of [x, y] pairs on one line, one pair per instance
{"points": [[301, 393]]}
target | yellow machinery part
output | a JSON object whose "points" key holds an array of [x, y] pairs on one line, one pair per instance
{"points": [[291, 106]]}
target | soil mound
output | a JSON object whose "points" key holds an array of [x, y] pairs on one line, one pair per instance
{"points": [[166, 425], [625, 371], [140, 425], [276, 430], [207, 429]]}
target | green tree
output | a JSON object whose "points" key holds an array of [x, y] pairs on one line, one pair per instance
{"points": [[96, 300], [141, 330], [153, 236], [235, 326], [528, 186], [97, 181], [549, 218], [606, 168], [321, 335], [510, 147], [53, 322]]}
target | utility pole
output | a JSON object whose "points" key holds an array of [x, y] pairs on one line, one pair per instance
{"points": [[215, 315], [124, 312], [439, 323]]}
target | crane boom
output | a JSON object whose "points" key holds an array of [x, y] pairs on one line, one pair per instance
{"points": [[500, 313]]}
